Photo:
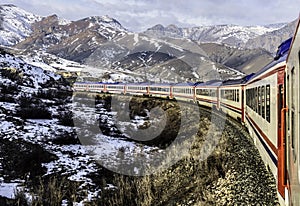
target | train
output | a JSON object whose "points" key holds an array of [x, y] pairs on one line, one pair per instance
{"points": [[266, 103]]}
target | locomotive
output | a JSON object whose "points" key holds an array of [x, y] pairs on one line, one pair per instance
{"points": [[267, 103]]}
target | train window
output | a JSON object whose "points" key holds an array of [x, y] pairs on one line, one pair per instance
{"points": [[293, 129], [251, 98], [259, 101], [203, 92], [234, 96], [248, 97], [255, 100], [213, 93], [268, 118], [238, 95], [263, 101], [250, 93]]}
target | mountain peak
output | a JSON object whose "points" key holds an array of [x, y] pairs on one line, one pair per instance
{"points": [[102, 19], [105, 21], [172, 26], [157, 27]]}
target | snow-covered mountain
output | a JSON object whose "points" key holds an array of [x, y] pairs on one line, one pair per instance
{"points": [[103, 43], [113, 53], [15, 24], [233, 35], [271, 40]]}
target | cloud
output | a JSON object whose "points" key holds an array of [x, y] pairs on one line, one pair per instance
{"points": [[138, 15]]}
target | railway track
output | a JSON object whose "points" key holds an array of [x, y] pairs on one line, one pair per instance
{"points": [[241, 177]]}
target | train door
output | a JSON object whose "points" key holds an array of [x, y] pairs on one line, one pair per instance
{"points": [[281, 138]]}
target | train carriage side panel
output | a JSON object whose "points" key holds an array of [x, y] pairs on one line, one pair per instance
{"points": [[183, 91], [115, 88], [293, 120], [137, 89], [207, 93], [160, 90], [262, 113], [231, 100], [263, 126], [207, 96]]}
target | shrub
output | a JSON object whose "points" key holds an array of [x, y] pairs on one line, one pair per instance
{"points": [[66, 118], [32, 112]]}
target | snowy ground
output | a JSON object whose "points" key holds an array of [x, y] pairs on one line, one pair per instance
{"points": [[78, 162]]}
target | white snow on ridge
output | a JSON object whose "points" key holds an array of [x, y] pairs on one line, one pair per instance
{"points": [[218, 33], [37, 75], [62, 21], [136, 39], [16, 25]]}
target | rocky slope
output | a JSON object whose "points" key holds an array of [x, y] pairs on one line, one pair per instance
{"points": [[15, 24], [103, 43], [271, 40], [245, 60], [38, 144], [233, 35]]}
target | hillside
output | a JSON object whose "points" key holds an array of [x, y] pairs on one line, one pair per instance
{"points": [[15, 24], [232, 35], [103, 50], [245, 60], [37, 138]]}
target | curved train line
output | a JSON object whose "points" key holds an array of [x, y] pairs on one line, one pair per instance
{"points": [[267, 103]]}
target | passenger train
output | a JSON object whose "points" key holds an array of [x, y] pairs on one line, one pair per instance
{"points": [[267, 103]]}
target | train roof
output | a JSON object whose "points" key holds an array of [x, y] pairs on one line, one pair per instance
{"points": [[160, 84], [242, 80], [214, 82], [109, 83], [184, 84], [138, 84]]}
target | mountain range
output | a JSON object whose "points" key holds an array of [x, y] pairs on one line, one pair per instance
{"points": [[100, 47]]}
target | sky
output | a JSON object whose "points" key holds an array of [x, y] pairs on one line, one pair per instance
{"points": [[138, 15]]}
